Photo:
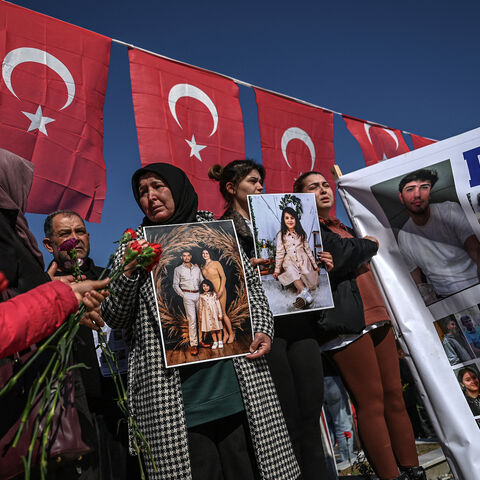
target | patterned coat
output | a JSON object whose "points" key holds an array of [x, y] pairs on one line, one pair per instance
{"points": [[155, 394]]}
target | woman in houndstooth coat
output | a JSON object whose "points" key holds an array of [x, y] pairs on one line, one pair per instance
{"points": [[155, 393]]}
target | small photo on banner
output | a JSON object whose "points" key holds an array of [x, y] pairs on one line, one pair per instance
{"points": [[200, 290], [288, 242], [377, 143], [295, 139], [457, 348], [187, 117], [52, 92], [468, 378], [437, 242]]}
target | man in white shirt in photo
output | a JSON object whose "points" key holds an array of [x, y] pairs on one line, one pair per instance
{"points": [[186, 283], [437, 241]]}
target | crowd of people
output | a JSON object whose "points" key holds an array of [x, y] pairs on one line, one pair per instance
{"points": [[250, 417]]}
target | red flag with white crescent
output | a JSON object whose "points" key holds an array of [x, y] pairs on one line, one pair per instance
{"points": [[419, 142], [52, 91], [295, 139], [187, 117], [377, 143]]}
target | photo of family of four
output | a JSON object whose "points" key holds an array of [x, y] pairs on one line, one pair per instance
{"points": [[191, 277]]}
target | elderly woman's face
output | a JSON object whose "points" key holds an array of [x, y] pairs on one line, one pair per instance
{"points": [[155, 198]]}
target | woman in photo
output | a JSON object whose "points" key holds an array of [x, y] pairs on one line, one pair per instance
{"points": [[294, 256], [470, 384], [212, 270], [209, 313]]}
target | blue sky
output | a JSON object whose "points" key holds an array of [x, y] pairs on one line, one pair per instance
{"points": [[411, 65]]}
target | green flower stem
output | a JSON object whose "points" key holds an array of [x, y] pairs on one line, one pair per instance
{"points": [[48, 386], [139, 439], [32, 395], [48, 427]]}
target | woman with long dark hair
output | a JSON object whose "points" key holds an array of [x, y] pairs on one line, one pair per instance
{"points": [[295, 360], [294, 256], [470, 384], [367, 360], [212, 270]]}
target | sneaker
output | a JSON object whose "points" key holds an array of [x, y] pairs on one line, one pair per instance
{"points": [[299, 302], [306, 295], [215, 345], [220, 344]]}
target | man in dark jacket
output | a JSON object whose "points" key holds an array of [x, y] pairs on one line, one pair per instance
{"points": [[103, 415]]}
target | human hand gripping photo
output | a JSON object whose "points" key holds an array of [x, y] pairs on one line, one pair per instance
{"points": [[260, 346]]}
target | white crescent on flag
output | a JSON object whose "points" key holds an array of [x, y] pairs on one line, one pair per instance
{"points": [[367, 131], [297, 133], [27, 54], [181, 90]]}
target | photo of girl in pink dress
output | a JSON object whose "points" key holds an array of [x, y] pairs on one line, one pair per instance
{"points": [[294, 256], [209, 314]]}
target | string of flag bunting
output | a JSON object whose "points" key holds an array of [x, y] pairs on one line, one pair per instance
{"points": [[52, 92]]}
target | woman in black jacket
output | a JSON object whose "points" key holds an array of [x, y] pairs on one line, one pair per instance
{"points": [[367, 361]]}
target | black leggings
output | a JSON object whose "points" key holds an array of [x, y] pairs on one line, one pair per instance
{"points": [[222, 450], [296, 368]]}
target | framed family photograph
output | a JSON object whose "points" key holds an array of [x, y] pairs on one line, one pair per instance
{"points": [[200, 291], [288, 241]]}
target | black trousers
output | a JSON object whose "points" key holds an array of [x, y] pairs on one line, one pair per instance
{"points": [[296, 368], [222, 450]]}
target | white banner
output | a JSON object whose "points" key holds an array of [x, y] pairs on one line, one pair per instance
{"points": [[424, 208]]}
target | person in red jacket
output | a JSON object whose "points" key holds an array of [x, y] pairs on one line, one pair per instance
{"points": [[29, 317]]}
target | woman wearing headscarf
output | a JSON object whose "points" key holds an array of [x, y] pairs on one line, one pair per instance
{"points": [[22, 264], [21, 260], [295, 361], [201, 421]]}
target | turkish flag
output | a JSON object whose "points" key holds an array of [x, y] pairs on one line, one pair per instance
{"points": [[52, 90], [295, 139], [377, 143], [187, 117], [419, 142]]}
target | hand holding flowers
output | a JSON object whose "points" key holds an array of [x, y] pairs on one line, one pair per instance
{"points": [[138, 254]]}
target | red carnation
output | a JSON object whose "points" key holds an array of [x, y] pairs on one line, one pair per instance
{"points": [[133, 251], [128, 235], [347, 434], [68, 245], [157, 253], [136, 246]]}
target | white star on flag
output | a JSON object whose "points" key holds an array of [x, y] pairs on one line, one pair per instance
{"points": [[194, 148], [38, 121]]}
